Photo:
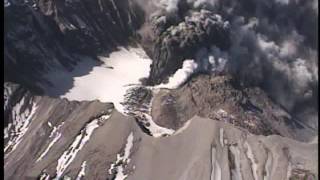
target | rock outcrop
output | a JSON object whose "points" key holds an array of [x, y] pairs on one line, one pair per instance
{"points": [[220, 97]]}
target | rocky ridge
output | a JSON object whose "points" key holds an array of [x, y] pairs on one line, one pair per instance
{"points": [[92, 140]]}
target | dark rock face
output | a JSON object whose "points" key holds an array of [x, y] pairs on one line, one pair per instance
{"points": [[222, 99], [44, 35], [177, 42]]}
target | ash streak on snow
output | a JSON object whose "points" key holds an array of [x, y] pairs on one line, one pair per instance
{"points": [[20, 125], [289, 171], [128, 67], [215, 167], [221, 137], [142, 111], [254, 165], [55, 135], [122, 161], [79, 142], [236, 173], [44, 176], [155, 130], [82, 170], [268, 166]]}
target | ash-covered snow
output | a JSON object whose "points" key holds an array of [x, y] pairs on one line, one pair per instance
{"points": [[224, 116], [155, 130], [289, 171], [221, 137], [82, 171], [268, 167], [21, 120], [107, 82], [54, 140], [55, 134], [114, 81], [236, 173], [254, 165], [138, 104], [79, 142], [122, 161], [44, 176], [215, 167]]}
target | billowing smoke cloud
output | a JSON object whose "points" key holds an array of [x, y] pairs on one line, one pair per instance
{"points": [[212, 60], [189, 67], [273, 45]]}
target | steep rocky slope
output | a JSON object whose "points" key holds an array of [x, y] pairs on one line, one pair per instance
{"points": [[219, 96], [91, 140]]}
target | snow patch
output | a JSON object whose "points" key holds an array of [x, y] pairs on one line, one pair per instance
{"points": [[236, 173], [119, 72], [122, 161], [268, 166], [79, 142], [82, 173], [55, 139], [155, 130], [142, 111], [252, 160], [221, 137], [289, 170], [21, 120], [44, 176], [55, 135], [49, 124], [215, 167], [224, 116]]}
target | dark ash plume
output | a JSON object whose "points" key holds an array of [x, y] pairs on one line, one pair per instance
{"points": [[273, 46]]}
